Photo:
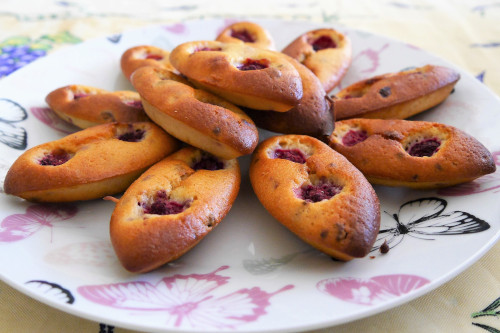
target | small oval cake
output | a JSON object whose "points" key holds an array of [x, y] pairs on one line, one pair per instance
{"points": [[172, 207], [144, 55], [415, 154], [89, 164], [244, 75], [314, 115], [85, 106], [317, 194], [396, 95], [326, 52], [195, 116], [247, 32]]}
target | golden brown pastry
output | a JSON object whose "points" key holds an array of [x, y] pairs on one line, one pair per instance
{"points": [[195, 116], [89, 164], [172, 207], [144, 55], [317, 194], [247, 32], [396, 95], [414, 154], [244, 75], [326, 52], [85, 106], [314, 115]]}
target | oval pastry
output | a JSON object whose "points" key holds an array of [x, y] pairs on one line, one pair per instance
{"points": [[89, 164], [144, 55], [396, 95], [195, 116], [172, 207], [414, 154], [247, 32], [314, 115], [326, 52], [317, 194], [85, 106], [244, 75]]}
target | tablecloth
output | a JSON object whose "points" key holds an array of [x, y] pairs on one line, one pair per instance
{"points": [[465, 33]]}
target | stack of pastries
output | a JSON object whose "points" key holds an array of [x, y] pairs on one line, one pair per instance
{"points": [[172, 145]]}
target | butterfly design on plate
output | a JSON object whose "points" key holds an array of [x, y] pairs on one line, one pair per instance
{"points": [[20, 226], [425, 219], [52, 290], [11, 134]]}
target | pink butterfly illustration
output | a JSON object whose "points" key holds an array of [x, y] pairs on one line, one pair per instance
{"points": [[375, 290], [51, 119], [20, 226], [97, 254], [192, 300], [178, 28], [486, 183]]}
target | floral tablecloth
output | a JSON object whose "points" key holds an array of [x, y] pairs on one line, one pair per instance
{"points": [[465, 33]]}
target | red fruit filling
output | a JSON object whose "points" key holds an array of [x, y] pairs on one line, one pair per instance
{"points": [[135, 104], [205, 48], [426, 147], [294, 155], [162, 205], [319, 192], [132, 136], [323, 42], [208, 163], [243, 35], [81, 95], [353, 137], [55, 159], [154, 57], [254, 64]]}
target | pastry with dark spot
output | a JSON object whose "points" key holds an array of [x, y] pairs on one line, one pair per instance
{"points": [[317, 194], [397, 95], [417, 154], [172, 207], [247, 32], [144, 55]]}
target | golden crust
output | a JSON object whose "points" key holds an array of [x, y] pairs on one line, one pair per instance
{"points": [[195, 116], [144, 55], [384, 160], [329, 64], [97, 157], [144, 242], [344, 226], [86, 106], [214, 66], [237, 33], [396, 95], [314, 115]]}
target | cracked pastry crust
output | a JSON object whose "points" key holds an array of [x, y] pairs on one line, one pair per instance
{"points": [[89, 164], [145, 239], [85, 106], [291, 175], [244, 75], [144, 55], [247, 32], [194, 116], [326, 52], [396, 95], [415, 154]]}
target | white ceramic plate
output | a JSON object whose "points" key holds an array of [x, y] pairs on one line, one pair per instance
{"points": [[249, 274]]}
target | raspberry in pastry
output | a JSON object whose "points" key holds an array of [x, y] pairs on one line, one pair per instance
{"points": [[312, 116], [172, 207], [89, 164], [85, 106], [244, 75], [326, 52], [317, 194], [144, 55], [194, 116], [247, 32], [396, 95], [414, 154]]}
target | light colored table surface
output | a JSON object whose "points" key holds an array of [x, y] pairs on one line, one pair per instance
{"points": [[465, 33]]}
